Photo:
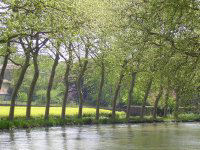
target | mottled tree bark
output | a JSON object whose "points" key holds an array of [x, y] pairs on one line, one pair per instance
{"points": [[80, 82], [166, 102], [100, 90], [50, 84], [177, 99], [35, 76], [5, 62], [130, 94], [118, 88], [33, 84], [66, 83], [3, 69], [146, 96], [19, 83], [197, 108], [156, 102]]}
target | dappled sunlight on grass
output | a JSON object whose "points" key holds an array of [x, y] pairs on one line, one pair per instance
{"points": [[54, 111]]}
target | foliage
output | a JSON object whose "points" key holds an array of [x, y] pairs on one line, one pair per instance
{"points": [[159, 40], [22, 96]]}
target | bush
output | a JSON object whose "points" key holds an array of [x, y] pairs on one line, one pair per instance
{"points": [[189, 117], [22, 96]]}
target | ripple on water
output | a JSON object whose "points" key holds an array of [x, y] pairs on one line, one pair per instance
{"points": [[170, 136]]}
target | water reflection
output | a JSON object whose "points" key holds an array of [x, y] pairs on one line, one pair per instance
{"points": [[28, 140], [12, 140], [64, 136], [112, 137]]}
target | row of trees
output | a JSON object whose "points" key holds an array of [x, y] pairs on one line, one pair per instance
{"points": [[136, 48]]}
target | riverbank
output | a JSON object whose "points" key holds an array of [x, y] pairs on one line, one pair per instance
{"points": [[37, 119], [21, 122]]}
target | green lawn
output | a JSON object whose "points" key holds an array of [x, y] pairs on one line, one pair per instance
{"points": [[54, 111], [37, 119]]}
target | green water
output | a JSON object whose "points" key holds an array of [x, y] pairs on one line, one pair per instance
{"points": [[184, 136]]}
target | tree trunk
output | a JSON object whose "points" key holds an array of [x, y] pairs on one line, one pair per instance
{"points": [[5, 62], [118, 89], [176, 110], [50, 84], [80, 82], [3, 69], [197, 108], [18, 85], [100, 90], [79, 88], [156, 102], [166, 102], [32, 86], [80, 95], [66, 82], [130, 94], [145, 97]]}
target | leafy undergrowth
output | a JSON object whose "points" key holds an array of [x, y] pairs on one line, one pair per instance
{"points": [[184, 118], [189, 117], [37, 118], [21, 122]]}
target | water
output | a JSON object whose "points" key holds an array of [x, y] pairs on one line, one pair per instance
{"points": [[184, 136]]}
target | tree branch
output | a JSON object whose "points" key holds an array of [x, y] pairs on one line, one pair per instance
{"points": [[15, 63]]}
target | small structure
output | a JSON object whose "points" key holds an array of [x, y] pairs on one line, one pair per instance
{"points": [[136, 110], [6, 90], [148, 110]]}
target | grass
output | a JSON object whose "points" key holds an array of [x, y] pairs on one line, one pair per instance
{"points": [[54, 111], [188, 117], [37, 117], [21, 122]]}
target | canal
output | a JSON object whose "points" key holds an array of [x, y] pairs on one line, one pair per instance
{"points": [[162, 136]]}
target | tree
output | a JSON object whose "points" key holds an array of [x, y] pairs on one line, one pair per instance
{"points": [[156, 102], [149, 84], [130, 94], [166, 99], [27, 51], [5, 62], [83, 67], [34, 53], [66, 79], [118, 86], [100, 89], [50, 84]]}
